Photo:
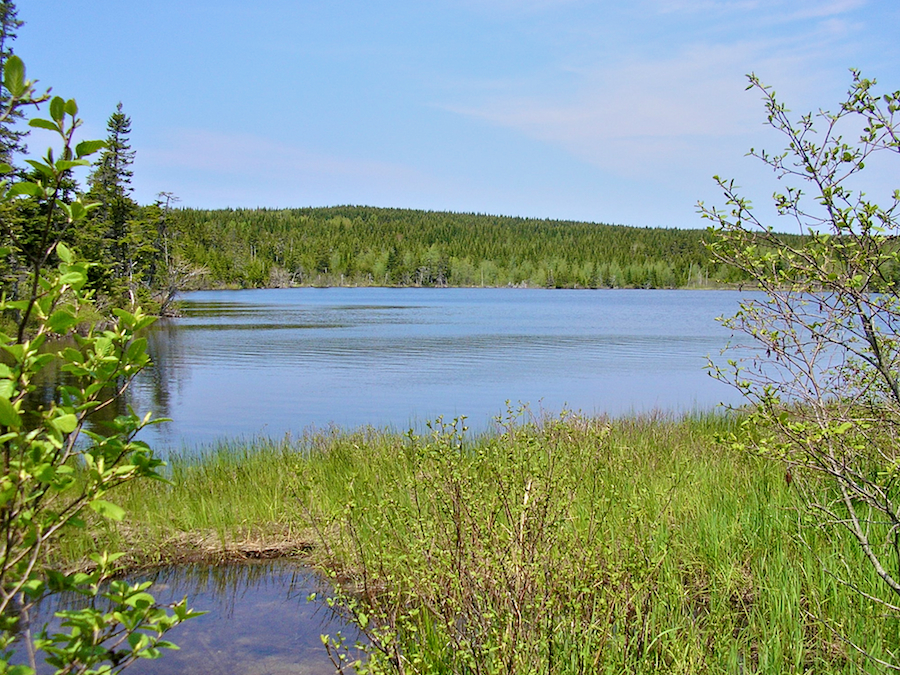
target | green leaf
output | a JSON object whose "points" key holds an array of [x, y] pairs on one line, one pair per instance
{"points": [[137, 640], [26, 188], [71, 107], [61, 321], [65, 423], [843, 428], [14, 76], [66, 164], [40, 167], [88, 148], [136, 349], [34, 587], [41, 123], [64, 252], [72, 278], [143, 322], [57, 108], [39, 362], [140, 599], [108, 509], [72, 355], [77, 210], [125, 317], [9, 416]]}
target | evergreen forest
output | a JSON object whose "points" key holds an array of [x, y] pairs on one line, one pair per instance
{"points": [[358, 245]]}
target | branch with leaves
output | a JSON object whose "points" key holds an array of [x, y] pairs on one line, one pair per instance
{"points": [[56, 472], [821, 365]]}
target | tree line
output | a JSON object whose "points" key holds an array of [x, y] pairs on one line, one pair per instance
{"points": [[144, 254], [360, 245]]}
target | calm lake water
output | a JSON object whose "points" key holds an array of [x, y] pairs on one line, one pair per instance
{"points": [[271, 362], [259, 620]]}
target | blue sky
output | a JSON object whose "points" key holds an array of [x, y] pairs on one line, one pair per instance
{"points": [[617, 112]]}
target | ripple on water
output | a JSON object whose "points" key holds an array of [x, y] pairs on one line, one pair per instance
{"points": [[258, 621]]}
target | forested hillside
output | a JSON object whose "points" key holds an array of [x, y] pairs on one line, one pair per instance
{"points": [[377, 246]]}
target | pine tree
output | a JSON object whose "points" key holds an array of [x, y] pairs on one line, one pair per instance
{"points": [[11, 140]]}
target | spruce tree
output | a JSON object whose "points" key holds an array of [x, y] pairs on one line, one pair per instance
{"points": [[110, 186], [11, 140], [111, 177]]}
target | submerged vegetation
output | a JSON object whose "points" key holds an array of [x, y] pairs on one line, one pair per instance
{"points": [[567, 545]]}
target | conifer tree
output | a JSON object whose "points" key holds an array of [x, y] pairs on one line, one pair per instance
{"points": [[110, 185], [11, 140], [110, 181]]}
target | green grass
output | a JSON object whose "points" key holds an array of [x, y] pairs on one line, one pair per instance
{"points": [[572, 545]]}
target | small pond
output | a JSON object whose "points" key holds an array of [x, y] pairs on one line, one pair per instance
{"points": [[259, 620]]}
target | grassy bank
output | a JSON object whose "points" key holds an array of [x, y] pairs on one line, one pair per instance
{"points": [[570, 546]]}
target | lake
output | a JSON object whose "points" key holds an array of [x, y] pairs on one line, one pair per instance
{"points": [[271, 362]]}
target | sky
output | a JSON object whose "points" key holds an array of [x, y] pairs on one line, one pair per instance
{"points": [[604, 111]]}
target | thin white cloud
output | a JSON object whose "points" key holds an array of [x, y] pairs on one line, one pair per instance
{"points": [[822, 10], [638, 113], [643, 112], [782, 10], [692, 6], [515, 6], [242, 153]]}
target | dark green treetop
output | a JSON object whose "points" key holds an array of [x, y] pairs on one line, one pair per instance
{"points": [[111, 177], [11, 140]]}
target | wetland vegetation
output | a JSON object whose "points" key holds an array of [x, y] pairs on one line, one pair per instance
{"points": [[563, 545]]}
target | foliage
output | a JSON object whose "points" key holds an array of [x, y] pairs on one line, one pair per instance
{"points": [[577, 545], [120, 238], [398, 247], [130, 246], [11, 139], [823, 371], [696, 564], [111, 177], [56, 473]]}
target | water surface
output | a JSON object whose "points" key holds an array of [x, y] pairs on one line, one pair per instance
{"points": [[271, 362], [259, 620]]}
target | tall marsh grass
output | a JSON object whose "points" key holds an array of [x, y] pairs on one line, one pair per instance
{"points": [[567, 545]]}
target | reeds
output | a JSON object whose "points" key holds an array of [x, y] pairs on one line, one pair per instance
{"points": [[568, 545]]}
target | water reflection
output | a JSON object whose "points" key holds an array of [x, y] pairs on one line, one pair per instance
{"points": [[270, 362], [46, 385], [258, 621]]}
